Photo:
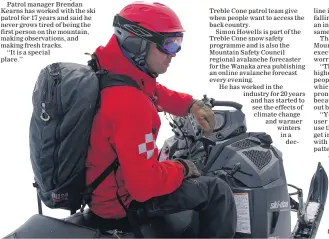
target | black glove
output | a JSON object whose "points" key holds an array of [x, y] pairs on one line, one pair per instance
{"points": [[190, 170]]}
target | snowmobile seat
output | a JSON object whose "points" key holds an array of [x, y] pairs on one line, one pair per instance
{"points": [[81, 225], [41, 226], [183, 224]]}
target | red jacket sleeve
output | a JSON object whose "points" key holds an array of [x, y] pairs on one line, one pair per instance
{"points": [[130, 120], [173, 102]]}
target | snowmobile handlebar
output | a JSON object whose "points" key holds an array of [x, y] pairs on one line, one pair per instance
{"points": [[212, 103], [226, 103]]}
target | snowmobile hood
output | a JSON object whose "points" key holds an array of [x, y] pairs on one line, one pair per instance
{"points": [[111, 58]]}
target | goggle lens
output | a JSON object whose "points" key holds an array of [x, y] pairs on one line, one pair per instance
{"points": [[171, 45]]}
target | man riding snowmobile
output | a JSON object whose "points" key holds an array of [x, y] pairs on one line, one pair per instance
{"points": [[147, 37]]}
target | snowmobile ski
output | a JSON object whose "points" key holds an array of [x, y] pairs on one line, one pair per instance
{"points": [[310, 214]]}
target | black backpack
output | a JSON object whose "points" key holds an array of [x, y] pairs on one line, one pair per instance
{"points": [[65, 100]]}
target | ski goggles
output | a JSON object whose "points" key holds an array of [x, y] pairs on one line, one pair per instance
{"points": [[171, 44], [168, 43]]}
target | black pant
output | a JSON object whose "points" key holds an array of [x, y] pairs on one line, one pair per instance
{"points": [[211, 197]]}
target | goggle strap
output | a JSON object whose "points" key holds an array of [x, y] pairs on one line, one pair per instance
{"points": [[138, 30]]}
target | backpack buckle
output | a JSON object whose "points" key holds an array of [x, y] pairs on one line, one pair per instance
{"points": [[86, 198]]}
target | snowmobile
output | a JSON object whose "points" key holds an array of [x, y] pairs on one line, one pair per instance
{"points": [[247, 161]]}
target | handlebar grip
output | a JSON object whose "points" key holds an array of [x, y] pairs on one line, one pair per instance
{"points": [[227, 103]]}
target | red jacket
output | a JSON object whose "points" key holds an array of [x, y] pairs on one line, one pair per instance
{"points": [[129, 121]]}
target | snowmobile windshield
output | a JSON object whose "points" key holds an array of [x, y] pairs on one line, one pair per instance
{"points": [[168, 43]]}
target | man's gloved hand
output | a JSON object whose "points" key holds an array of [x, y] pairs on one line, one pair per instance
{"points": [[190, 170], [204, 115]]}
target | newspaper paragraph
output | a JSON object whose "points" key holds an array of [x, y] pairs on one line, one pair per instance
{"points": [[37, 28]]}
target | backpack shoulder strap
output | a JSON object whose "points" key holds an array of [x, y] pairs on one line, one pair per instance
{"points": [[109, 80]]}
